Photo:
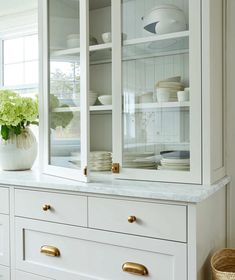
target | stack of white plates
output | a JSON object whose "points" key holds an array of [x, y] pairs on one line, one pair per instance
{"points": [[145, 160], [167, 89], [176, 160], [100, 161]]}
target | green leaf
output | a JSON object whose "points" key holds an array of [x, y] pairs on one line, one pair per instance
{"points": [[5, 131], [17, 129]]}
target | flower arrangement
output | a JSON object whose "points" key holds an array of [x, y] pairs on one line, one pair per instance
{"points": [[16, 113]]}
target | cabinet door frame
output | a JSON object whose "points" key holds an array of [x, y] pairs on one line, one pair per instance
{"points": [[5, 250], [195, 47], [45, 167]]}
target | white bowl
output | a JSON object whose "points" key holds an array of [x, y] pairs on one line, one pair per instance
{"points": [[146, 97], [92, 100], [183, 96], [105, 99], [73, 41], [107, 37], [165, 19]]}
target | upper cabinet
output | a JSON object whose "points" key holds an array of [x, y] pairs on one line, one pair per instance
{"points": [[132, 89]]}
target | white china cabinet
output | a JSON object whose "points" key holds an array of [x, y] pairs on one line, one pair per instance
{"points": [[157, 66]]}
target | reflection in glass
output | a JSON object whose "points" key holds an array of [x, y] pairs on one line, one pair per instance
{"points": [[64, 86]]}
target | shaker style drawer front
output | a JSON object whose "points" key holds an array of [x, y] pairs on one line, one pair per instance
{"points": [[4, 200], [5, 273], [55, 207], [4, 240], [148, 219], [66, 252], [20, 275]]}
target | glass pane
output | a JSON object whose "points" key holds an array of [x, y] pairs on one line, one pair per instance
{"points": [[100, 95], [31, 47], [64, 86], [14, 74], [13, 50], [155, 79]]}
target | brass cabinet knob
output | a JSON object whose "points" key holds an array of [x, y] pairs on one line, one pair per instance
{"points": [[50, 251], [135, 268], [132, 219], [46, 207]]}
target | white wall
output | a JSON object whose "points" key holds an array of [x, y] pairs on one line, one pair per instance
{"points": [[231, 115]]}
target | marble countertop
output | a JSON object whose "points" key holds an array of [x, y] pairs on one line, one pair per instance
{"points": [[137, 189]]}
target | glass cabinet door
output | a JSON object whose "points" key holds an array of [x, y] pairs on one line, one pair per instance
{"points": [[160, 90], [66, 144], [100, 92]]}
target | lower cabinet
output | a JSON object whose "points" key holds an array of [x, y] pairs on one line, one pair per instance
{"points": [[4, 240], [4, 273], [20, 275], [61, 252]]}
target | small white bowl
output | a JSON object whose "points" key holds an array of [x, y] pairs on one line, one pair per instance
{"points": [[146, 97], [183, 96], [92, 100], [105, 99], [73, 41], [107, 37]]}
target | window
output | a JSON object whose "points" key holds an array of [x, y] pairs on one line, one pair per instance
{"points": [[20, 64]]}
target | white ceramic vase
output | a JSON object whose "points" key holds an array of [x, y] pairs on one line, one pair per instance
{"points": [[19, 152]]}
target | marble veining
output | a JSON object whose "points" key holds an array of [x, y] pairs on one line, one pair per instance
{"points": [[137, 189]]}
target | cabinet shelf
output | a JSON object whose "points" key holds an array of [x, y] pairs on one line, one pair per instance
{"points": [[96, 108], [75, 51], [141, 106], [156, 38], [138, 48]]}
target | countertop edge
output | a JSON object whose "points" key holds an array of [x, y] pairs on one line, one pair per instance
{"points": [[187, 193]]}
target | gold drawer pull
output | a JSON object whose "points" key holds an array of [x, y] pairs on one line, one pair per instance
{"points": [[46, 207], [134, 268], [132, 219], [50, 251]]}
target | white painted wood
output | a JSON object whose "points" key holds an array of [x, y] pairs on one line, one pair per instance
{"points": [[192, 242], [213, 85], [5, 273], [90, 254], [230, 115], [210, 231], [153, 220], [4, 200], [4, 240], [67, 209], [92, 108], [21, 275]]}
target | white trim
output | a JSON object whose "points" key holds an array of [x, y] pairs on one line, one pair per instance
{"points": [[116, 81], [45, 167]]}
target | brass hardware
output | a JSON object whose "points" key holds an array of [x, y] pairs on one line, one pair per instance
{"points": [[134, 268], [85, 171], [46, 207], [50, 251], [132, 219], [115, 167]]}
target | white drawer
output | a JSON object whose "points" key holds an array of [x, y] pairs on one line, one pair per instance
{"points": [[92, 254], [67, 209], [4, 273], [4, 240], [4, 200], [152, 219], [20, 275]]}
